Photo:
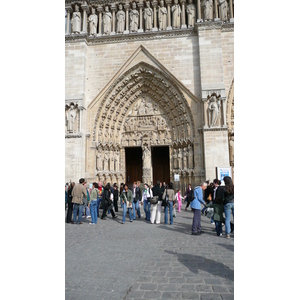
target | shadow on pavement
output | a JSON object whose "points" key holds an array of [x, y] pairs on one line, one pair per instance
{"points": [[197, 262], [229, 247]]}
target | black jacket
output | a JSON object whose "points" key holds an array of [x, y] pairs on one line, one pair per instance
{"points": [[219, 195]]}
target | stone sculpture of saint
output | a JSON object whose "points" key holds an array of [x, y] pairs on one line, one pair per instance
{"points": [[223, 10], [71, 116], [120, 19], [106, 21], [93, 21], [134, 18], [191, 12], [175, 161], [148, 16], [213, 109], [162, 16], [76, 20], [208, 10], [176, 14]]}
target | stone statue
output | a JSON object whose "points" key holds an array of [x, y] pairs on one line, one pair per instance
{"points": [[99, 162], [191, 155], [71, 116], [185, 154], [208, 10], [106, 158], [213, 109], [175, 161], [76, 20], [117, 160], [148, 16], [191, 12], [223, 10], [120, 19], [176, 14], [146, 157], [134, 18], [106, 21], [162, 16], [179, 158], [93, 21]]}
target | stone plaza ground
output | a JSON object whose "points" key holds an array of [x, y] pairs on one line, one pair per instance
{"points": [[140, 260]]}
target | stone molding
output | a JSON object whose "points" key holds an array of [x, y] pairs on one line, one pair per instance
{"points": [[73, 135]]}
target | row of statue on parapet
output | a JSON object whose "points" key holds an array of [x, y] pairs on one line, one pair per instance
{"points": [[161, 18]]}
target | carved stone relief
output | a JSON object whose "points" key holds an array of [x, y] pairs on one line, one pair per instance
{"points": [[72, 118]]}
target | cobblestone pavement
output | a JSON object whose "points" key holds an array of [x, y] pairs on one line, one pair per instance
{"points": [[139, 260]]}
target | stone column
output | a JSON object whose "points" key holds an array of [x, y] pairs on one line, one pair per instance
{"points": [[183, 22], [216, 11], [141, 5], [85, 9], [231, 11], [69, 10], [169, 26], [113, 9], [127, 6], [199, 18], [154, 4], [100, 10]]}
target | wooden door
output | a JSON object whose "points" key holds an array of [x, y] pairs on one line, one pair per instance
{"points": [[161, 164], [134, 165]]}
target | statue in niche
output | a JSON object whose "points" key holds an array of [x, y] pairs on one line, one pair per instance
{"points": [[134, 18], [223, 10], [231, 148], [148, 16], [185, 158], [208, 10], [162, 16], [142, 106], [213, 109], [93, 21], [175, 161], [71, 116], [106, 158], [76, 20], [191, 12], [98, 161], [176, 14], [191, 155], [179, 156], [106, 21], [146, 157], [120, 19], [117, 160]]}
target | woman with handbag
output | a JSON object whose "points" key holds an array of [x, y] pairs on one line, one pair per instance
{"points": [[169, 195], [126, 202], [107, 202]]}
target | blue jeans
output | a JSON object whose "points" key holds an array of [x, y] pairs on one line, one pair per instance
{"points": [[93, 208], [79, 207], [218, 227], [136, 207], [170, 208], [147, 206], [227, 209], [124, 206], [98, 205], [87, 211]]}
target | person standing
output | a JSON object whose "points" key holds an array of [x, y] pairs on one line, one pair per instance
{"points": [[196, 208], [126, 202], [116, 197], [99, 199], [169, 192], [147, 194], [218, 195], [188, 195], [70, 204], [78, 192], [93, 203], [156, 208], [228, 203], [107, 202], [178, 199], [136, 194], [218, 214]]}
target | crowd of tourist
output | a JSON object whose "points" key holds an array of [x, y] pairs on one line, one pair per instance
{"points": [[82, 201]]}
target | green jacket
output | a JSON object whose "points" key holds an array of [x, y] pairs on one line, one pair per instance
{"points": [[129, 196], [218, 211]]}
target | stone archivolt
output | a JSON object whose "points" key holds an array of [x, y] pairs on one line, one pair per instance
{"points": [[145, 108]]}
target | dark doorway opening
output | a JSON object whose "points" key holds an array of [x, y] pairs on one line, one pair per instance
{"points": [[134, 164], [161, 164]]}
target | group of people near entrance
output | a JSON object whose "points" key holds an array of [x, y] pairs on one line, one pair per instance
{"points": [[87, 201]]}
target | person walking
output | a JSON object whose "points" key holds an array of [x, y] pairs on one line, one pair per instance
{"points": [[70, 204], [156, 208], [99, 199], [169, 192], [136, 194], [116, 197], [107, 202], [228, 203], [188, 196], [196, 208], [178, 199], [78, 192], [126, 202], [93, 203]]}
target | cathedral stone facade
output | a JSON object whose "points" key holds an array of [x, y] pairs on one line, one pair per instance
{"points": [[149, 90]]}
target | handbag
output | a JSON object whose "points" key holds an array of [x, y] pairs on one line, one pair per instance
{"points": [[154, 200], [165, 200], [128, 204]]}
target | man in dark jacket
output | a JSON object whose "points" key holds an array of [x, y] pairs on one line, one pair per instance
{"points": [[189, 195], [107, 202], [137, 197]]}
